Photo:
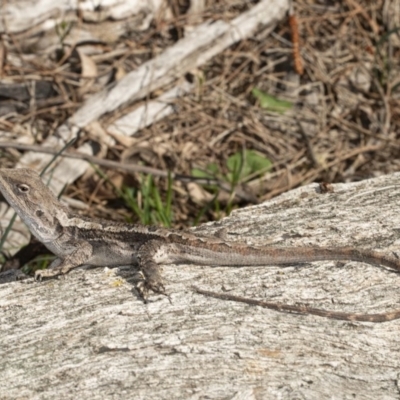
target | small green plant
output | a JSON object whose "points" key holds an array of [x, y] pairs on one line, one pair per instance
{"points": [[246, 164], [147, 204], [271, 103], [39, 262], [240, 167], [146, 201], [63, 29], [7, 231]]}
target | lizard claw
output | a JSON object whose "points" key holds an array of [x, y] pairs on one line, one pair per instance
{"points": [[143, 291], [38, 275], [45, 273], [144, 287], [156, 287]]}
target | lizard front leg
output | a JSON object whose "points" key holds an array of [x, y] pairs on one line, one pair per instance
{"points": [[149, 255], [62, 266]]}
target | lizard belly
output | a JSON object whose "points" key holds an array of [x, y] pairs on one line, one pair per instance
{"points": [[118, 255]]}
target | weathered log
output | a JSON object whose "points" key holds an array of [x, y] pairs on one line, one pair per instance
{"points": [[88, 335]]}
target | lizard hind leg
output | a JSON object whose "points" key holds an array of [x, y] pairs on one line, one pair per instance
{"points": [[147, 255]]}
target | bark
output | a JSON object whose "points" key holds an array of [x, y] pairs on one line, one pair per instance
{"points": [[89, 336]]}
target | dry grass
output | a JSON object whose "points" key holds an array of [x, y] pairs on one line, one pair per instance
{"points": [[344, 124]]}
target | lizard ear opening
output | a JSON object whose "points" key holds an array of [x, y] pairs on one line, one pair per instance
{"points": [[23, 188]]}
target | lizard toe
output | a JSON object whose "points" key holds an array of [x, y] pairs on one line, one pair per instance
{"points": [[156, 287], [38, 275], [143, 291]]}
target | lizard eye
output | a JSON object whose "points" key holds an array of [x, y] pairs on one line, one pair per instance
{"points": [[23, 188]]}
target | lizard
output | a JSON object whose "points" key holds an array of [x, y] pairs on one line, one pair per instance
{"points": [[78, 240]]}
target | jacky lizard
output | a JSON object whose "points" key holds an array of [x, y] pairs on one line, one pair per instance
{"points": [[77, 240]]}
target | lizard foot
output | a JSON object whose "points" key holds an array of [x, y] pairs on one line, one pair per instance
{"points": [[145, 286], [46, 273]]}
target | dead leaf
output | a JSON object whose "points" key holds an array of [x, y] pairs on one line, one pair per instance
{"points": [[3, 56], [89, 67]]}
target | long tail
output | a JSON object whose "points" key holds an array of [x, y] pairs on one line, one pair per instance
{"points": [[278, 256], [226, 254]]}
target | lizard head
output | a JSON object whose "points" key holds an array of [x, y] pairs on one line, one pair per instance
{"points": [[32, 200]]}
